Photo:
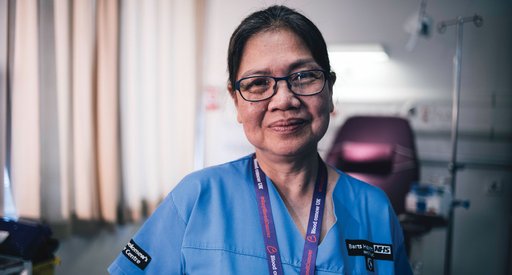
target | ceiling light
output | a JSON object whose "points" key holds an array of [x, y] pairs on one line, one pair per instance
{"points": [[353, 54]]}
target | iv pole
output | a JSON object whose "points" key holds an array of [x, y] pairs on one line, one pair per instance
{"points": [[452, 165]]}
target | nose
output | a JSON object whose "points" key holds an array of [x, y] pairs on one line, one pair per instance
{"points": [[284, 98]]}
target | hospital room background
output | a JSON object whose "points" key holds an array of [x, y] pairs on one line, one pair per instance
{"points": [[106, 105]]}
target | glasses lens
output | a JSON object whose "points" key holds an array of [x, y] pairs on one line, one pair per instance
{"points": [[256, 88], [307, 82]]}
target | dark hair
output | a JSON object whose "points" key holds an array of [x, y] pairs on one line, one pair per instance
{"points": [[276, 17]]}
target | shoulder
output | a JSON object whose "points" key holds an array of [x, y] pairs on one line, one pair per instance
{"points": [[218, 176], [354, 189], [228, 169], [368, 215], [215, 182], [362, 202]]}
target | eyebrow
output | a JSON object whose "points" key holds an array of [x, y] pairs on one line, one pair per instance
{"points": [[306, 62], [302, 63]]}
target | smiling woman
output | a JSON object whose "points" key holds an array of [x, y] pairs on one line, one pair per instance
{"points": [[281, 210], [286, 124]]}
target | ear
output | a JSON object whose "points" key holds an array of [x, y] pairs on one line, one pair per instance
{"points": [[331, 82], [232, 93], [331, 103], [231, 89], [332, 76], [234, 96]]}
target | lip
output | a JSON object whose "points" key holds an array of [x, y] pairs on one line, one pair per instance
{"points": [[287, 125]]}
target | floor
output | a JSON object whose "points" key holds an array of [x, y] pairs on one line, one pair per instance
{"points": [[92, 254]]}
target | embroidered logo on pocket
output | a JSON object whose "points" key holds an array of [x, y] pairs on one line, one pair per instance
{"points": [[371, 251], [136, 255]]}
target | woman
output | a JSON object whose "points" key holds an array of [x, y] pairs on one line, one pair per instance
{"points": [[280, 210]]}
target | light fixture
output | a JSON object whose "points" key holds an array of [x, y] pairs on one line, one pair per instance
{"points": [[353, 54], [355, 65]]}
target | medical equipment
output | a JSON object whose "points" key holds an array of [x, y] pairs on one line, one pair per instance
{"points": [[418, 25], [429, 200], [452, 165]]}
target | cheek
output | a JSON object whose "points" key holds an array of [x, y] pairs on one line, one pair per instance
{"points": [[251, 118], [324, 106], [322, 113], [250, 114]]}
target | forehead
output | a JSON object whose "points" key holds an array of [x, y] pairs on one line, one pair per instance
{"points": [[272, 51]]}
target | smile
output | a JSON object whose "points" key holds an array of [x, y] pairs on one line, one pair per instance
{"points": [[288, 125]]}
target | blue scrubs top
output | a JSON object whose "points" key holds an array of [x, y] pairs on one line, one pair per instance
{"points": [[209, 224]]}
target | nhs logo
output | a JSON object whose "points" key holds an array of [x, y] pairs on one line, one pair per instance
{"points": [[382, 249]]}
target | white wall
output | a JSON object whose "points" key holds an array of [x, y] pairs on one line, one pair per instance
{"points": [[418, 80]]}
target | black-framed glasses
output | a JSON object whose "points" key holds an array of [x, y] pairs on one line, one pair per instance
{"points": [[304, 83]]}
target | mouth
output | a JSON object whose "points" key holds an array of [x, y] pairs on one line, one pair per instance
{"points": [[288, 125]]}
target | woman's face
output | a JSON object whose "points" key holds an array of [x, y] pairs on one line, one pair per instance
{"points": [[286, 124]]}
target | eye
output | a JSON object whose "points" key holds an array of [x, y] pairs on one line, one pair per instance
{"points": [[306, 77], [255, 84], [310, 75]]}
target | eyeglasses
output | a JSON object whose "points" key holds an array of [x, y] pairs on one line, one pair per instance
{"points": [[258, 88]]}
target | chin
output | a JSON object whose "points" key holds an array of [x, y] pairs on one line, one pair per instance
{"points": [[292, 150]]}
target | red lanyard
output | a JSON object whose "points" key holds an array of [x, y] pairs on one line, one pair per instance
{"points": [[267, 220]]}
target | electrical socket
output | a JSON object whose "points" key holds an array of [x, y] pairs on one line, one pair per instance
{"points": [[494, 187]]}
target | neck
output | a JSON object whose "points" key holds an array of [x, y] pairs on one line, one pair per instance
{"points": [[294, 177]]}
